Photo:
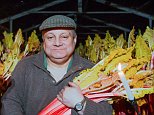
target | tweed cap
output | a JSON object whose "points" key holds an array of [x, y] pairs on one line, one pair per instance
{"points": [[57, 21]]}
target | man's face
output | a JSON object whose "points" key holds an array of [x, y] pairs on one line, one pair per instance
{"points": [[59, 45]]}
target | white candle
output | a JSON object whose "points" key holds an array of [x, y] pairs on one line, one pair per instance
{"points": [[125, 83]]}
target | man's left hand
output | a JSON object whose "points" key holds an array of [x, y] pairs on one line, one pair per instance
{"points": [[70, 95]]}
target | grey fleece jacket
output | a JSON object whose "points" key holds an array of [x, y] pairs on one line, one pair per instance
{"points": [[33, 88]]}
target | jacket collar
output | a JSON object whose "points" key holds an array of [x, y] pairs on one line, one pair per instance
{"points": [[39, 60]]}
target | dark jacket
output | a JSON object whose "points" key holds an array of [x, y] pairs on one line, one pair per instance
{"points": [[33, 88]]}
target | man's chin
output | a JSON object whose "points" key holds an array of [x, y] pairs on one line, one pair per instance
{"points": [[59, 60], [59, 57]]}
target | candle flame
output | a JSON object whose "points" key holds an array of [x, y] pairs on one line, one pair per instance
{"points": [[119, 67]]}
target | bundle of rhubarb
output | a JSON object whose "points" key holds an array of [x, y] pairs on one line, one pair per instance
{"points": [[12, 50], [102, 81], [94, 84]]}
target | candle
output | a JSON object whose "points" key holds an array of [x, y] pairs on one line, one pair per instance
{"points": [[125, 83]]}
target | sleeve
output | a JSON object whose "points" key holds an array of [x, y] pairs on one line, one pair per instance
{"points": [[12, 100], [93, 108]]}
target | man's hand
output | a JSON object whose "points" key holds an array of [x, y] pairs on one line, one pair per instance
{"points": [[70, 95]]}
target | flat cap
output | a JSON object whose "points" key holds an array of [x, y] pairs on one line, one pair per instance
{"points": [[58, 21]]}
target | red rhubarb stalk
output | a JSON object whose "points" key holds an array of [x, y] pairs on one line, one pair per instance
{"points": [[57, 110], [65, 111], [53, 105]]}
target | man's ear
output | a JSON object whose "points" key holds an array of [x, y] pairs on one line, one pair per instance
{"points": [[42, 38], [75, 39]]}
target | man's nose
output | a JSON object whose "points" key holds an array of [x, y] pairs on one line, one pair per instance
{"points": [[58, 42]]}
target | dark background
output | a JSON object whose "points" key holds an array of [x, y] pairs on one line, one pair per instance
{"points": [[91, 16]]}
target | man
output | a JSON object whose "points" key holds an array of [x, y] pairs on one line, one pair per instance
{"points": [[38, 79]]}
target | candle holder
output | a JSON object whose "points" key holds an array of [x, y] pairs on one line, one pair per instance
{"points": [[134, 104]]}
